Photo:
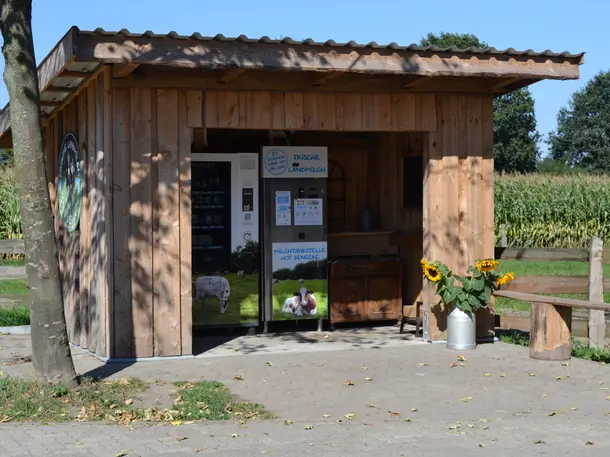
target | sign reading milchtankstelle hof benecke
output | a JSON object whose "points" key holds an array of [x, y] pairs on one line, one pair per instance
{"points": [[70, 183]]}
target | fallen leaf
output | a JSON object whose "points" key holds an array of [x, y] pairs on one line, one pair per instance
{"points": [[470, 425], [407, 420], [129, 401], [574, 408], [532, 374], [370, 405], [589, 443], [121, 454], [325, 415], [176, 423], [269, 364], [112, 406], [487, 374], [483, 420], [368, 379], [558, 378], [414, 410], [481, 445], [453, 364], [350, 416], [394, 414], [544, 395], [485, 388], [182, 438], [539, 442], [320, 364], [238, 377], [565, 364], [461, 358], [422, 364], [485, 428], [326, 337], [234, 435], [349, 383], [364, 367], [308, 427], [503, 375], [555, 413], [454, 427], [288, 422], [465, 399]]}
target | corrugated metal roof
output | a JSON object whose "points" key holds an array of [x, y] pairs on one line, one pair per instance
{"points": [[510, 52]]}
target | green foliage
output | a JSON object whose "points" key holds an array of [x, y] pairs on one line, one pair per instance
{"points": [[10, 218], [515, 131], [468, 293], [547, 210], [583, 127], [7, 157], [14, 315]]}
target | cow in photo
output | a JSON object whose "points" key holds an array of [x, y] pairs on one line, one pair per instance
{"points": [[303, 303], [213, 286]]}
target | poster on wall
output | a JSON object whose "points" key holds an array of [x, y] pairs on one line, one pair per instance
{"points": [[308, 211], [300, 281], [282, 207], [70, 183], [228, 297]]}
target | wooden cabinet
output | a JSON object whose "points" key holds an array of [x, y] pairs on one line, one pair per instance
{"points": [[365, 290]]}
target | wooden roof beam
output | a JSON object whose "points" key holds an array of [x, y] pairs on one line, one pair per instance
{"points": [[123, 70], [416, 82], [323, 79], [230, 75], [215, 55]]}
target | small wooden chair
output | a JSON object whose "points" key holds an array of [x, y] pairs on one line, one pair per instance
{"points": [[416, 320]]}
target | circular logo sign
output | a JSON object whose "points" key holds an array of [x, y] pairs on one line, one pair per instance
{"points": [[70, 182], [276, 161]]}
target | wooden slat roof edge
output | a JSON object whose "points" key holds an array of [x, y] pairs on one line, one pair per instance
{"points": [[212, 52]]}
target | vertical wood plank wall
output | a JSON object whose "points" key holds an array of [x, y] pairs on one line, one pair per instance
{"points": [[81, 260], [151, 212], [458, 196]]}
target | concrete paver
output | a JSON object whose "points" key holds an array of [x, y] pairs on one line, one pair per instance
{"points": [[560, 408]]}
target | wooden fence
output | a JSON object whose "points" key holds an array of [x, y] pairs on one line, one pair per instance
{"points": [[11, 247], [594, 284]]}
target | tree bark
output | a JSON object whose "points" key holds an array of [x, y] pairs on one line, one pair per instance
{"points": [[50, 347]]}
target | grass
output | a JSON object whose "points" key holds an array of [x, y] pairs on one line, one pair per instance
{"points": [[244, 298], [579, 350], [543, 268], [118, 402], [14, 315], [12, 262], [13, 287]]}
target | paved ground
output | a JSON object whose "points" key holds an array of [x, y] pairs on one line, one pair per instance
{"points": [[12, 273], [536, 408]]}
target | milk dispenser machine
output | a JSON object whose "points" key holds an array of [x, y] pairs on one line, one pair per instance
{"points": [[295, 280]]}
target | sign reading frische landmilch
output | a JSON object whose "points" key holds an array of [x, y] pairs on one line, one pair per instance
{"points": [[70, 183]]}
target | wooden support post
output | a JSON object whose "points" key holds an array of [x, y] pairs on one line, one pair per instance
{"points": [[597, 320], [550, 337]]}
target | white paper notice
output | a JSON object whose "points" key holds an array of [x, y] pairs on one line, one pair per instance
{"points": [[308, 211], [282, 207]]}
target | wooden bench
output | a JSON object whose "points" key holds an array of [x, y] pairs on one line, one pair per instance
{"points": [[551, 323], [413, 320]]}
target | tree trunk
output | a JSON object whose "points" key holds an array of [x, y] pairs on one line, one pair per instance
{"points": [[50, 347]]}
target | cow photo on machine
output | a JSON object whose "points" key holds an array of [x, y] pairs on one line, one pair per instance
{"points": [[225, 246]]}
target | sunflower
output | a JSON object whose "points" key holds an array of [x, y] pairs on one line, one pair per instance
{"points": [[508, 277], [432, 273], [423, 262], [487, 265]]}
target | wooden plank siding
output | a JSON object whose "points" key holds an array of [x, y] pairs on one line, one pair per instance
{"points": [[326, 111], [458, 196], [77, 251], [152, 229]]}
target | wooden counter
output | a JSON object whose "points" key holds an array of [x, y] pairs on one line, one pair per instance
{"points": [[364, 289]]}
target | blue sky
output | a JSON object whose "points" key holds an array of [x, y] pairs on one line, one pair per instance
{"points": [[559, 25]]}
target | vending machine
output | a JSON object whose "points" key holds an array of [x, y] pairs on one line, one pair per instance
{"points": [[225, 239], [295, 281]]}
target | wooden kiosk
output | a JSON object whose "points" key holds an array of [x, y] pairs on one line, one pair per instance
{"points": [[409, 132]]}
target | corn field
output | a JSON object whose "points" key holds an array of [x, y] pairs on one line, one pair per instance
{"points": [[10, 220], [543, 210]]}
